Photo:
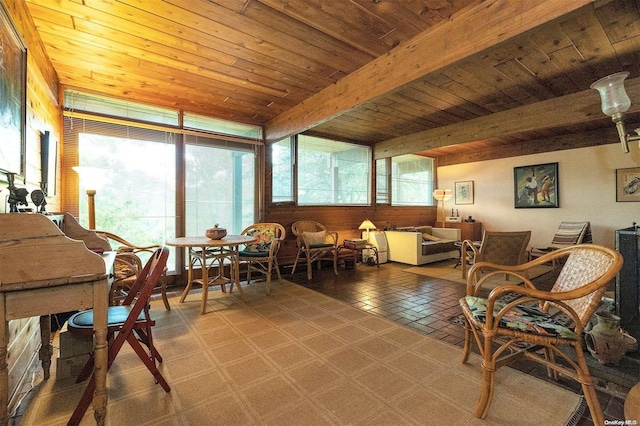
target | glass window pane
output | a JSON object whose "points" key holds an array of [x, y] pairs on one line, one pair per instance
{"points": [[220, 188], [332, 173], [222, 127], [412, 180], [282, 171], [136, 199], [383, 195]]}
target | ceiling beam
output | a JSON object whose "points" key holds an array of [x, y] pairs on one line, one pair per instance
{"points": [[576, 108], [474, 29]]}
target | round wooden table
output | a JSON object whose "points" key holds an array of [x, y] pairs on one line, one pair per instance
{"points": [[228, 249]]}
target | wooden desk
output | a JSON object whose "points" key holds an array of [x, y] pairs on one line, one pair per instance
{"points": [[45, 272], [203, 243]]}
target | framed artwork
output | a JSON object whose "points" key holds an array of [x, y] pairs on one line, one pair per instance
{"points": [[628, 184], [536, 186], [464, 192], [13, 82]]}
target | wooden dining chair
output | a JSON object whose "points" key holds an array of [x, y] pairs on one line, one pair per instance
{"points": [[516, 321], [129, 322]]}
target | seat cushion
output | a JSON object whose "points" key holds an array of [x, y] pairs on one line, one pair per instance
{"points": [[116, 315], [525, 317]]}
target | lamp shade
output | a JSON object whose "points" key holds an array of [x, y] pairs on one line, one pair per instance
{"points": [[367, 224], [612, 93], [442, 194]]}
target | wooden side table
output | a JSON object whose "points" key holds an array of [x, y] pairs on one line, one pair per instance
{"points": [[357, 249]]}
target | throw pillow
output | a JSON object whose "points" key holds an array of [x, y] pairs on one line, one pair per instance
{"points": [[429, 237], [263, 240], [314, 238]]}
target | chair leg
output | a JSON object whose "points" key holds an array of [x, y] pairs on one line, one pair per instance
{"points": [[295, 263], [148, 362], [163, 290], [466, 350], [589, 391], [269, 265], [488, 381], [335, 261], [309, 267], [275, 262]]}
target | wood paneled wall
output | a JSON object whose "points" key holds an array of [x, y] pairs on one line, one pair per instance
{"points": [[344, 220]]}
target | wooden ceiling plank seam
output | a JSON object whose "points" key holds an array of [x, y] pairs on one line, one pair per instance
{"points": [[262, 31], [619, 20], [187, 35], [572, 64], [322, 17], [442, 113], [181, 61], [182, 17], [533, 86], [438, 98], [591, 40], [378, 77], [343, 56], [628, 51]]}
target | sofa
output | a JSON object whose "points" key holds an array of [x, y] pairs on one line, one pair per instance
{"points": [[421, 245]]}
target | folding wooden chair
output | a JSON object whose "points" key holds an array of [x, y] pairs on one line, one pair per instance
{"points": [[128, 322]]}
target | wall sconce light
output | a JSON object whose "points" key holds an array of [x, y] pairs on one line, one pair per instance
{"points": [[615, 103], [368, 225], [92, 178], [442, 195]]}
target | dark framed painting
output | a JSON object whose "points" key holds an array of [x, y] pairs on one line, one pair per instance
{"points": [[13, 84], [628, 184], [464, 192], [536, 186]]}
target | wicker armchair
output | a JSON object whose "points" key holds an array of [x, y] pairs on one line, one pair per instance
{"points": [[503, 248], [127, 265], [315, 243], [261, 256], [515, 315]]}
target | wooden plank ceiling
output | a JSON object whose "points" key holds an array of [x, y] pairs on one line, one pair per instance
{"points": [[461, 80]]}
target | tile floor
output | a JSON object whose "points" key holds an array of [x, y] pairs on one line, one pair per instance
{"points": [[425, 304]]}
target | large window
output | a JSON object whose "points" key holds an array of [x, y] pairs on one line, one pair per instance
{"points": [[136, 196], [282, 155], [332, 173], [412, 180], [220, 185]]}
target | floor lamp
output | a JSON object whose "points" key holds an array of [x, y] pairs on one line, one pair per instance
{"points": [[93, 179], [442, 195]]}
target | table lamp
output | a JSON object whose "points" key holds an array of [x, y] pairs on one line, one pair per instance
{"points": [[368, 225]]}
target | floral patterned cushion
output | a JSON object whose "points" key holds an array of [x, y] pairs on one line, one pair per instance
{"points": [[526, 317], [263, 237]]}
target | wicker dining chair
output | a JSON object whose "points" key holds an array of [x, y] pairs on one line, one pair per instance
{"points": [[261, 256], [315, 243], [513, 315], [503, 248], [128, 263]]}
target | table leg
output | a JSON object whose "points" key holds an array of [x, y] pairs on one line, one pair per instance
{"points": [[100, 302], [46, 351], [205, 282], [234, 270]]}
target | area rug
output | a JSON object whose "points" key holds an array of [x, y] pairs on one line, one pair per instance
{"points": [[445, 270], [298, 357]]}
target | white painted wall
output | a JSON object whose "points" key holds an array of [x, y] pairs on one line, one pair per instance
{"points": [[586, 179]]}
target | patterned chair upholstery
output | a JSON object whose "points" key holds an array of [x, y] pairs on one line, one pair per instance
{"points": [[503, 248], [518, 327]]}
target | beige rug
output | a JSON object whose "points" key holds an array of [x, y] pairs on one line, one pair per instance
{"points": [[445, 270], [300, 358]]}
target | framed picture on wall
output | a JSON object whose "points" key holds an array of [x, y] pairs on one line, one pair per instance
{"points": [[628, 184], [464, 192], [536, 186], [13, 83]]}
